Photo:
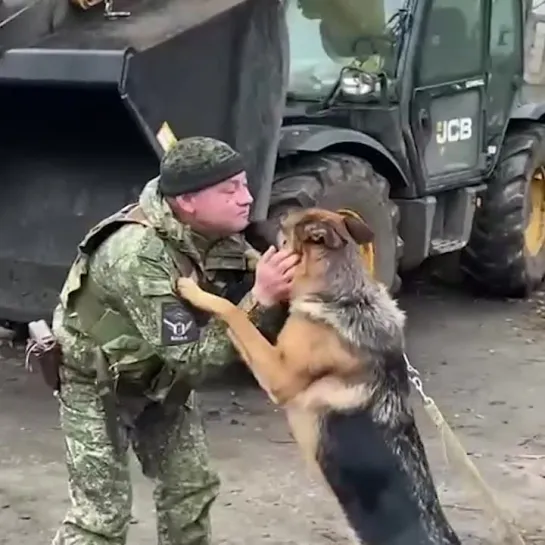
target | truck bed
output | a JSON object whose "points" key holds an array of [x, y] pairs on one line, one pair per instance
{"points": [[150, 23]]}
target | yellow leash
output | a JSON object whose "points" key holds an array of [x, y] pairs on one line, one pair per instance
{"points": [[456, 454]]}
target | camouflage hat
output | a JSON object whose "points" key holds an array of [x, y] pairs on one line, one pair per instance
{"points": [[195, 163]]}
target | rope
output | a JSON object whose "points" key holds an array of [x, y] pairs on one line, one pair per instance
{"points": [[455, 453]]}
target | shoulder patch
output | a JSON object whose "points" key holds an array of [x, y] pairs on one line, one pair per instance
{"points": [[178, 325]]}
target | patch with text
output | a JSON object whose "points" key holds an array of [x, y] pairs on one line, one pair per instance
{"points": [[178, 325]]}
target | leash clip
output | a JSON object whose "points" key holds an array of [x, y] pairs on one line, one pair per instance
{"points": [[414, 377]]}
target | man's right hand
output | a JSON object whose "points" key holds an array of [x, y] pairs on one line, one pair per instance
{"points": [[273, 276]]}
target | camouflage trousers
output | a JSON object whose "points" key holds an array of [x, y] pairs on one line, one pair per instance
{"points": [[99, 482]]}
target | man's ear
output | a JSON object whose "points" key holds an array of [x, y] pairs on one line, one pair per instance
{"points": [[359, 230], [320, 232], [184, 203]]}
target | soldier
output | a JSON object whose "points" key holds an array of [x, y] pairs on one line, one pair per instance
{"points": [[133, 351]]}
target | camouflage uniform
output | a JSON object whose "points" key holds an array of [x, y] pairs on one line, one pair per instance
{"points": [[119, 323]]}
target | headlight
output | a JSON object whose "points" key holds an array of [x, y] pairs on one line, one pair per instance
{"points": [[357, 83]]}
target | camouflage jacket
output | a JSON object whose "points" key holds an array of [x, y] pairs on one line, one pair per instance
{"points": [[119, 305]]}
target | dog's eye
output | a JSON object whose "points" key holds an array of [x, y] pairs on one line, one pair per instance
{"points": [[282, 240]]}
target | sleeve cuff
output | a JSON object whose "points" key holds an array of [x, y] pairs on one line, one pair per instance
{"points": [[248, 303]]}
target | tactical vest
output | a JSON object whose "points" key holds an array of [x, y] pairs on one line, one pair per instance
{"points": [[87, 312], [86, 301]]}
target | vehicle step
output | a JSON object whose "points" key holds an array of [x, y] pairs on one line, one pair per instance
{"points": [[440, 246]]}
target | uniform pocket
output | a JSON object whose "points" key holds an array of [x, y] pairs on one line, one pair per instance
{"points": [[131, 357], [155, 287]]}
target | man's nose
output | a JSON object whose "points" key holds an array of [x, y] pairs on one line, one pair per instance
{"points": [[246, 197]]}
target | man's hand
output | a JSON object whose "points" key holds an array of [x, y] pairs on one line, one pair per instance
{"points": [[273, 276]]}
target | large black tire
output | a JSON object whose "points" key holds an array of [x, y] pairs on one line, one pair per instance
{"points": [[337, 181], [497, 259]]}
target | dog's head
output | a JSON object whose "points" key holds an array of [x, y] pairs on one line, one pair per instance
{"points": [[323, 239]]}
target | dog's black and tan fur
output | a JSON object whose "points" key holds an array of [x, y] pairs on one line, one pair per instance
{"points": [[338, 370]]}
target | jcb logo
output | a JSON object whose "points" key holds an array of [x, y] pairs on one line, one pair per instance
{"points": [[454, 130]]}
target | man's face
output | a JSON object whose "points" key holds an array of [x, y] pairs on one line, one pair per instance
{"points": [[222, 209]]}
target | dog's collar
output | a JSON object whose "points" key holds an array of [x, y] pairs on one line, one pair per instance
{"points": [[311, 300], [305, 305]]}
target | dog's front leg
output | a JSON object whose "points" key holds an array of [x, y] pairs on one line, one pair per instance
{"points": [[264, 360]]}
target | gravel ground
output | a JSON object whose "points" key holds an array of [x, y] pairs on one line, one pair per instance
{"points": [[482, 361]]}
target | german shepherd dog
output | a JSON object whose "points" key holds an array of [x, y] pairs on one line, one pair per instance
{"points": [[338, 370]]}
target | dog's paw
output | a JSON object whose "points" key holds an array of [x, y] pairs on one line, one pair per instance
{"points": [[188, 288]]}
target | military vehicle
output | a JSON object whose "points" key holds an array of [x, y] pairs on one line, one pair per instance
{"points": [[425, 117]]}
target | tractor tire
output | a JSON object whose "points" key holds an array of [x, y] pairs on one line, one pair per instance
{"points": [[336, 181], [498, 259]]}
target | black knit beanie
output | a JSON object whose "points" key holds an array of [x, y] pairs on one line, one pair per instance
{"points": [[196, 163]]}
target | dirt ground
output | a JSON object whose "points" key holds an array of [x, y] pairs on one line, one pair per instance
{"points": [[482, 361]]}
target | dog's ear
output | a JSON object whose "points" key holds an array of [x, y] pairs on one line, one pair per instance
{"points": [[320, 232], [359, 230]]}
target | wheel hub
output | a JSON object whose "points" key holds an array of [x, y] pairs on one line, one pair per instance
{"points": [[534, 234], [367, 251]]}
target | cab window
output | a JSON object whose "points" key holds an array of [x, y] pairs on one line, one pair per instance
{"points": [[452, 45]]}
